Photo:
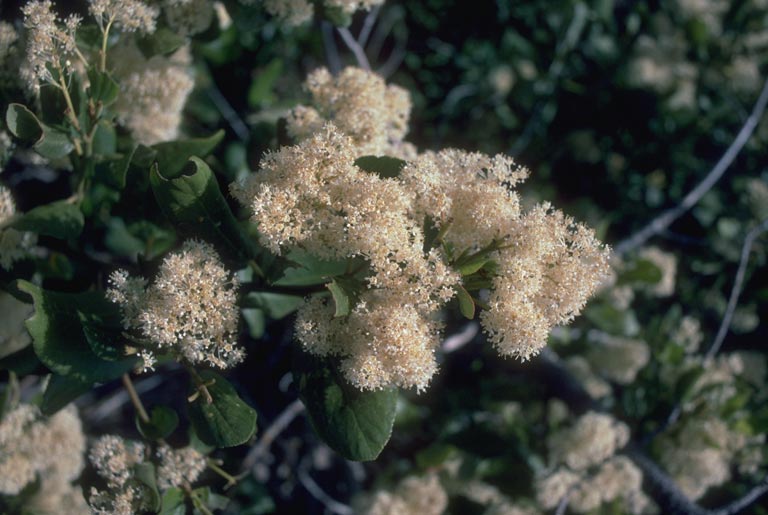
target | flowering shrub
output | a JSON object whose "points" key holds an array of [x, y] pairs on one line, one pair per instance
{"points": [[188, 262]]}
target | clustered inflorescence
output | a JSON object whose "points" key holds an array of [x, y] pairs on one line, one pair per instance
{"points": [[298, 12], [190, 310], [117, 461], [313, 197], [48, 449]]}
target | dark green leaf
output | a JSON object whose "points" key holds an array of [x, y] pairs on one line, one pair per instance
{"points": [[61, 390], [21, 362], [145, 474], [163, 41], [384, 167], [114, 170], [173, 502], [55, 266], [59, 219], [103, 87], [103, 331], [356, 424], [172, 156], [46, 141], [162, 423], [274, 305], [466, 303], [58, 337], [194, 202], [23, 123], [225, 422]]}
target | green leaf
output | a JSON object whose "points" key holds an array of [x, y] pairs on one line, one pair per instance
{"points": [[145, 474], [385, 167], [173, 502], [309, 270], [172, 156], [473, 265], [103, 331], [260, 93], [55, 266], [274, 305], [61, 390], [640, 271], [114, 170], [225, 422], [341, 298], [357, 424], [194, 202], [59, 219], [23, 123], [162, 423], [103, 87], [163, 41], [46, 141], [104, 139], [254, 320], [58, 337], [466, 303]]}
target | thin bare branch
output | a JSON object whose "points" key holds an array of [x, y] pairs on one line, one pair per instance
{"points": [[278, 425], [661, 222], [331, 50], [738, 284], [318, 493], [370, 21], [355, 48]]}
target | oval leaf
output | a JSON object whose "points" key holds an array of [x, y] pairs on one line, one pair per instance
{"points": [[58, 219], [225, 422], [162, 423], [357, 424], [58, 337]]}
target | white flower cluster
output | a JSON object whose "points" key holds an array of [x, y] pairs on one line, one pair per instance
{"points": [[190, 310], [188, 17], [50, 42], [52, 449], [14, 245], [360, 105], [702, 449], [115, 460], [585, 468], [126, 15], [414, 495], [152, 91], [299, 12], [313, 197]]}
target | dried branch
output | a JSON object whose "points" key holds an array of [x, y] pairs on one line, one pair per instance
{"points": [[331, 50], [661, 222], [318, 493], [738, 283], [356, 49], [278, 425]]}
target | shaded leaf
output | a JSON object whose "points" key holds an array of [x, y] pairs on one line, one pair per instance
{"points": [[145, 473], [59, 219], [46, 141], [173, 502], [357, 424], [225, 422], [162, 41], [194, 202], [172, 156], [309, 270], [61, 390], [274, 305], [58, 337], [383, 166], [163, 421], [103, 87]]}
